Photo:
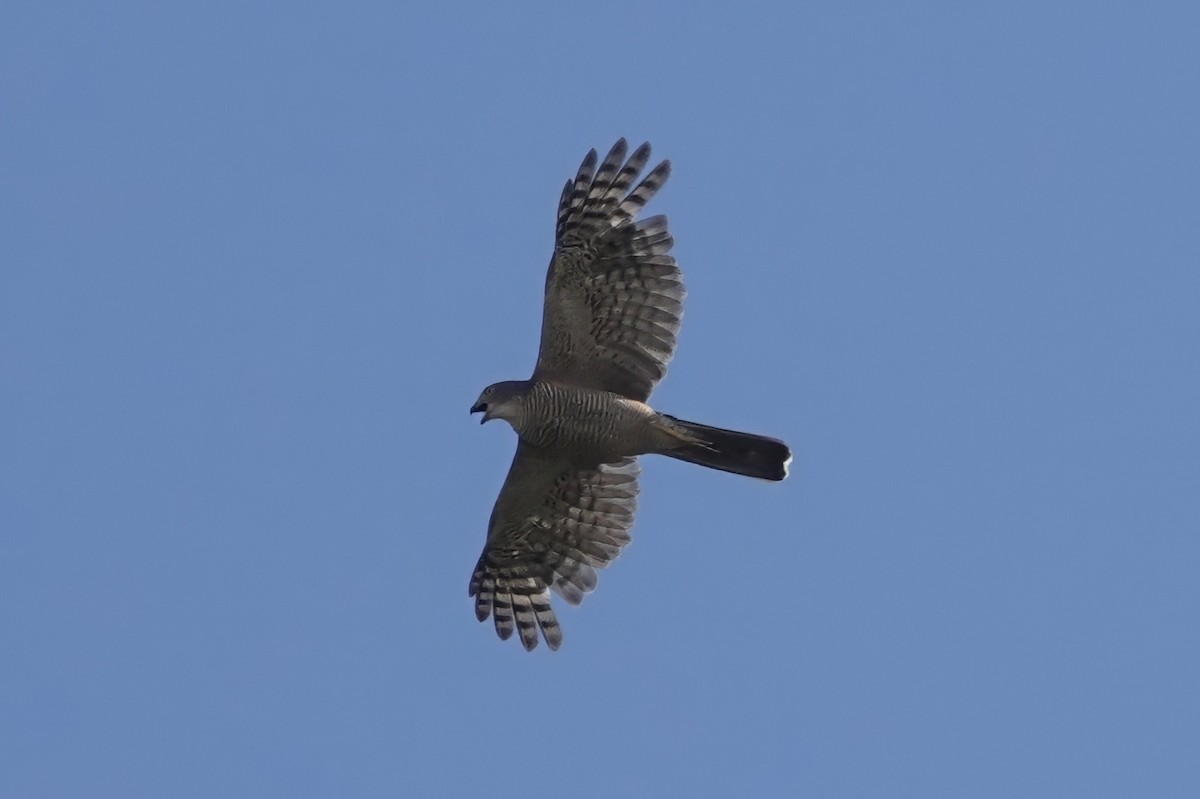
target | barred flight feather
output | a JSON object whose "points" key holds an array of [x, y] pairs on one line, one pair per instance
{"points": [[619, 271], [580, 525]]}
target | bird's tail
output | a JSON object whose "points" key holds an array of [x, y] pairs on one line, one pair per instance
{"points": [[730, 451]]}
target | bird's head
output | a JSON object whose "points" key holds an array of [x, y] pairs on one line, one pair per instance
{"points": [[500, 401]]}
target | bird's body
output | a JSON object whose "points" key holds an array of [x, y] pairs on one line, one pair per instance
{"points": [[613, 304], [591, 426]]}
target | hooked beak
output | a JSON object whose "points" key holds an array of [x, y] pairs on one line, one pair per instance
{"points": [[481, 407]]}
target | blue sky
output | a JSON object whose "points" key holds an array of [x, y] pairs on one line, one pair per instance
{"points": [[259, 259]]}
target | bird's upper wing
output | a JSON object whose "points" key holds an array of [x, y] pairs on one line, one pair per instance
{"points": [[553, 525], [614, 296]]}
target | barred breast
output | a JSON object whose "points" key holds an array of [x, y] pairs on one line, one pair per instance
{"points": [[591, 424]]}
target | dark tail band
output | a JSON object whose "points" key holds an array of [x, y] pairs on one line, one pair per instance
{"points": [[730, 451]]}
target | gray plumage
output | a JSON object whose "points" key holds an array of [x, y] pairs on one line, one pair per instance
{"points": [[613, 304]]}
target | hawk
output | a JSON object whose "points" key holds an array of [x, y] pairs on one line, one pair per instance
{"points": [[613, 303]]}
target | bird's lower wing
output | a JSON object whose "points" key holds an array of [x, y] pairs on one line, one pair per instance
{"points": [[553, 525]]}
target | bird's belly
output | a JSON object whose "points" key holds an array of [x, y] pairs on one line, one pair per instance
{"points": [[589, 425]]}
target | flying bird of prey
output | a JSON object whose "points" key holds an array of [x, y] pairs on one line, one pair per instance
{"points": [[614, 299]]}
